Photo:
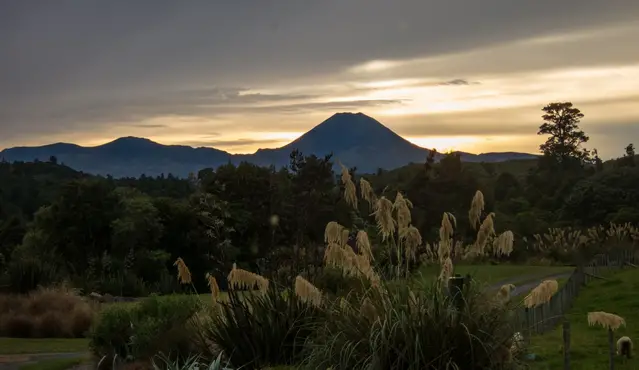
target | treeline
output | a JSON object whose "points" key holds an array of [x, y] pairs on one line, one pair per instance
{"points": [[119, 236]]}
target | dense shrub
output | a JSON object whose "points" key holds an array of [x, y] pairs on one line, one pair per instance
{"points": [[45, 313], [261, 329], [398, 330], [141, 330]]}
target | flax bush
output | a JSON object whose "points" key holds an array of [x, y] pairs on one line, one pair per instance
{"points": [[261, 329]]}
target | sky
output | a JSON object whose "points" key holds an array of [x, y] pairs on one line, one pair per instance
{"points": [[241, 75]]}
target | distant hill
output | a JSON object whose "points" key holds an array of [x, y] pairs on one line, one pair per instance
{"points": [[355, 139]]}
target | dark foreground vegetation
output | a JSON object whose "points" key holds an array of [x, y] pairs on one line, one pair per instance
{"points": [[314, 307]]}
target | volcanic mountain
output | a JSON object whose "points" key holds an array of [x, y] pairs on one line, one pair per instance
{"points": [[355, 139]]}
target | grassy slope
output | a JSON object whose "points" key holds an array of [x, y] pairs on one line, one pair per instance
{"points": [[589, 345], [54, 364], [47, 345], [493, 274]]}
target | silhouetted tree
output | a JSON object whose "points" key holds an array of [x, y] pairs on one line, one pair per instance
{"points": [[561, 122]]}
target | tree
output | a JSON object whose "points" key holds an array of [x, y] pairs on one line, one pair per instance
{"points": [[597, 161], [628, 159], [53, 159], [561, 122]]}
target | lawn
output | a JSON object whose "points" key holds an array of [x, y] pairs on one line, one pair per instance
{"points": [[496, 274], [46, 345], [55, 364], [589, 345]]}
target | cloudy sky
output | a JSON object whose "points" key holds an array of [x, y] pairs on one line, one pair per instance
{"points": [[243, 74]]}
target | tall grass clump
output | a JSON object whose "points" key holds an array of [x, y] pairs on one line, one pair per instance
{"points": [[393, 329], [55, 312], [266, 328]]}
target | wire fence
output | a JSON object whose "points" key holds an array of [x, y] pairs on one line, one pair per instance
{"points": [[545, 317]]}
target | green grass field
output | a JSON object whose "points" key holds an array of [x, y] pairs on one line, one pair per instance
{"points": [[589, 345], [495, 274], [45, 345], [55, 364]]}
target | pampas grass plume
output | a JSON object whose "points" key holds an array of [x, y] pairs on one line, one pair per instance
{"points": [[363, 245], [542, 293], [367, 191], [446, 270], [384, 217], [476, 208], [411, 239], [239, 278], [333, 233], [215, 289], [307, 292], [350, 192], [184, 274], [402, 207], [606, 320], [503, 244]]}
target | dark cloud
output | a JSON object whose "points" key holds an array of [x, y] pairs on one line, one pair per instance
{"points": [[74, 64], [150, 125], [233, 143], [459, 82]]}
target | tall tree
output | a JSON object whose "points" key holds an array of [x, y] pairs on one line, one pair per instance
{"points": [[628, 159], [561, 122]]}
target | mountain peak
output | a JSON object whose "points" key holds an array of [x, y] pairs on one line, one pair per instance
{"points": [[355, 139], [345, 131], [130, 140]]}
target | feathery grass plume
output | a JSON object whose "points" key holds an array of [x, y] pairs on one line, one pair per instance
{"points": [[504, 292], [344, 236], [402, 206], [476, 208], [624, 346], [242, 279], [446, 270], [486, 230], [307, 292], [448, 226], [215, 289], [333, 233], [384, 217], [332, 254], [367, 191], [429, 254], [368, 311], [184, 274], [503, 244], [606, 320], [363, 245], [411, 239], [350, 192], [542, 293]]}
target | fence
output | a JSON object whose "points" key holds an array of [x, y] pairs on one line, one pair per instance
{"points": [[542, 318]]}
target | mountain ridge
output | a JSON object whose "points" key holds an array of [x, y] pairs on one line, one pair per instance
{"points": [[354, 138]]}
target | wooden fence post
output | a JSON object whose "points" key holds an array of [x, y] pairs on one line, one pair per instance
{"points": [[527, 331], [611, 348], [566, 332]]}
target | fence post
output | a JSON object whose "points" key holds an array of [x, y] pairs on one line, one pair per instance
{"points": [[611, 348], [566, 332], [527, 330]]}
